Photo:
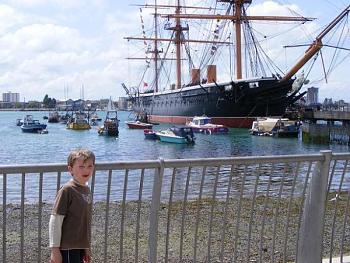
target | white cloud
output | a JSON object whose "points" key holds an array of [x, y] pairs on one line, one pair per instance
{"points": [[43, 37], [9, 18], [39, 3], [46, 45]]}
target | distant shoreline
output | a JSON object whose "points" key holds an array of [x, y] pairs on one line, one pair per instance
{"points": [[34, 109], [45, 109]]}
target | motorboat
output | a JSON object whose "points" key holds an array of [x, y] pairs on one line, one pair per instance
{"points": [[110, 125], [202, 124], [180, 135], [95, 119], [19, 122], [141, 122], [64, 118], [277, 127], [150, 134], [78, 122], [28, 118], [138, 125], [54, 117], [44, 131], [31, 125]]}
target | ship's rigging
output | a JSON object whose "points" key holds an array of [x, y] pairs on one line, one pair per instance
{"points": [[219, 35]]}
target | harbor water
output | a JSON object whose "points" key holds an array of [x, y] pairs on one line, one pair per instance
{"points": [[18, 147]]}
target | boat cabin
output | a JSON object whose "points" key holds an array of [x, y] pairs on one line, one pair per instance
{"points": [[182, 131], [201, 120]]}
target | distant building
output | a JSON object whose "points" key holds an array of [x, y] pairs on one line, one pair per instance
{"points": [[312, 96], [123, 103], [10, 97], [328, 102]]}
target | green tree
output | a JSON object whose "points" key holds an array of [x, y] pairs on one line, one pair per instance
{"points": [[48, 102], [52, 103]]}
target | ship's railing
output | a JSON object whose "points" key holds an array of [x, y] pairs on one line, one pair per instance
{"points": [[239, 209]]}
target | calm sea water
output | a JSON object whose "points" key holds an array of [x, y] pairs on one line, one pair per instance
{"points": [[26, 148]]}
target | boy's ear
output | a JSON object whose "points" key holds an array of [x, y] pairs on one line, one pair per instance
{"points": [[70, 169]]}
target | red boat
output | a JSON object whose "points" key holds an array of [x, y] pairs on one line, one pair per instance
{"points": [[150, 134], [138, 125]]}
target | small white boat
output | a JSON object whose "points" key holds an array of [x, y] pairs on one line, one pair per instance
{"points": [[44, 131]]}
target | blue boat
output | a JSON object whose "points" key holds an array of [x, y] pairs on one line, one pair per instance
{"points": [[180, 135], [31, 125]]}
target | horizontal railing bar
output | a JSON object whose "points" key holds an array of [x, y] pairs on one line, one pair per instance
{"points": [[33, 168], [242, 160], [169, 163], [340, 156]]}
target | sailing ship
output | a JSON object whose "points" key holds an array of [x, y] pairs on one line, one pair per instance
{"points": [[236, 102]]}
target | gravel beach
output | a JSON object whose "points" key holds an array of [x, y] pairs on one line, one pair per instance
{"points": [[226, 235]]}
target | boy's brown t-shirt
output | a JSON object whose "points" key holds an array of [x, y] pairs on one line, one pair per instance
{"points": [[74, 202]]}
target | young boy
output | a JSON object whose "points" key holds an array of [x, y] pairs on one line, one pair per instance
{"points": [[70, 221]]}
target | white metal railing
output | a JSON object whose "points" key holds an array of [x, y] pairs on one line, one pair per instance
{"points": [[239, 209]]}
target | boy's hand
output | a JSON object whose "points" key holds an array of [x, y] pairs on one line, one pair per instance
{"points": [[87, 256], [56, 256]]}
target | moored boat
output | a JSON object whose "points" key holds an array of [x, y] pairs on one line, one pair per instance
{"points": [[54, 117], [110, 125], [78, 122], [32, 125], [138, 125], [94, 119], [180, 135], [150, 134], [19, 122], [277, 127], [202, 124], [64, 118]]}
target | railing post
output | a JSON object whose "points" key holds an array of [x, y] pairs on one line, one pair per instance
{"points": [[153, 225], [311, 230]]}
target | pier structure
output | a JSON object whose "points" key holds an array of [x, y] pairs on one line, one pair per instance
{"points": [[321, 126]]}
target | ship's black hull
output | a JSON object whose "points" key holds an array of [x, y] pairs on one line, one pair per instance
{"points": [[235, 100]]}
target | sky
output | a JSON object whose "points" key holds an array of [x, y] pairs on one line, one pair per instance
{"points": [[76, 48]]}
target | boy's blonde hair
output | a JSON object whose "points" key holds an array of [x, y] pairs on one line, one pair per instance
{"points": [[80, 153]]}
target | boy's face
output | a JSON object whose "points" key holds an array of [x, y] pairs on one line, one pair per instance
{"points": [[82, 171]]}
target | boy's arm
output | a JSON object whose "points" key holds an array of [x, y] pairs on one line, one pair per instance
{"points": [[55, 233], [55, 230]]}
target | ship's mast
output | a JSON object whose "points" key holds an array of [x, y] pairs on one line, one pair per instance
{"points": [[156, 45], [235, 17], [178, 32], [237, 14], [315, 46]]}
